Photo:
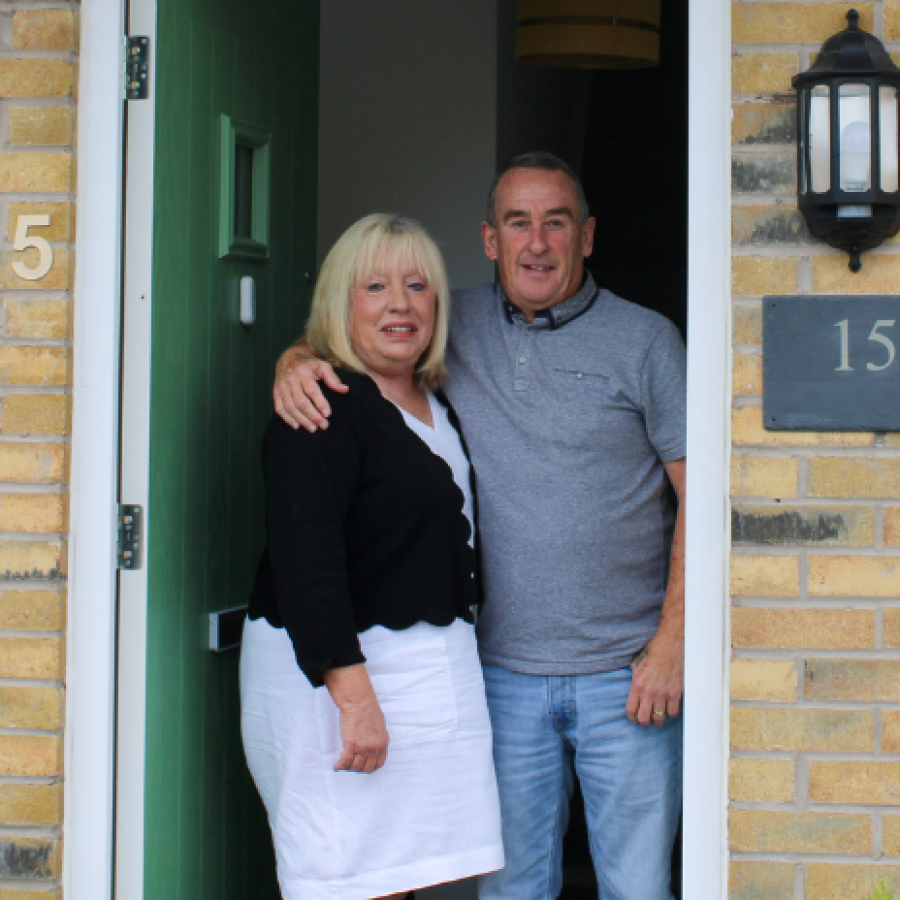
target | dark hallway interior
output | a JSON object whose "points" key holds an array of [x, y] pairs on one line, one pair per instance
{"points": [[625, 132]]}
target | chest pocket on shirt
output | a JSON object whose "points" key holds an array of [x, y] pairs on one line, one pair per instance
{"points": [[579, 375], [588, 405]]}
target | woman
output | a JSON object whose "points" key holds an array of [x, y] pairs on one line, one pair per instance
{"points": [[363, 711]]}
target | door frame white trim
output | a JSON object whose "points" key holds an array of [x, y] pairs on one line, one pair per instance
{"points": [[135, 470], [707, 539], [91, 663], [90, 658]]}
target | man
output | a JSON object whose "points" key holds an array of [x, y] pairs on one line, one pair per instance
{"points": [[573, 405]]}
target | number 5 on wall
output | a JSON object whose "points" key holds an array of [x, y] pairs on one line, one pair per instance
{"points": [[23, 241], [885, 341]]}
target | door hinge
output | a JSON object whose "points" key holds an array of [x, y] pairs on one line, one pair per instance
{"points": [[137, 65], [130, 537]]}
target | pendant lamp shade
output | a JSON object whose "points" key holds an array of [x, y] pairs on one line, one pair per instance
{"points": [[588, 34]]}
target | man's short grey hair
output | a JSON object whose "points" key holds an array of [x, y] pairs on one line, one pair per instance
{"points": [[536, 159]]}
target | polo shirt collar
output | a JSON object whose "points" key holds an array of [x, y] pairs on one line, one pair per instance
{"points": [[562, 313]]}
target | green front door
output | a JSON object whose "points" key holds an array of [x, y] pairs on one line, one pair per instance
{"points": [[206, 836]]}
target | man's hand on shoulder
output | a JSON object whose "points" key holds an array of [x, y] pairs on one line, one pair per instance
{"points": [[296, 393], [658, 680]]}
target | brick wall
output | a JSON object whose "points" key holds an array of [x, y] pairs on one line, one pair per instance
{"points": [[37, 120], [815, 678]]}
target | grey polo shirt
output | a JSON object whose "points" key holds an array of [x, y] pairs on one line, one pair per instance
{"points": [[568, 422]]}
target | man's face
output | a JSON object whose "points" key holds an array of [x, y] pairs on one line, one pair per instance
{"points": [[539, 242]]}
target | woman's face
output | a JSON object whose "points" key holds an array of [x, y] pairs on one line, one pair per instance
{"points": [[392, 314]]}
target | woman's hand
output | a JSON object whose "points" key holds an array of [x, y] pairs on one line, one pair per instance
{"points": [[363, 729], [296, 393], [365, 737]]}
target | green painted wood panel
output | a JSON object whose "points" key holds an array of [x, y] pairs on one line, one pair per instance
{"points": [[206, 834]]}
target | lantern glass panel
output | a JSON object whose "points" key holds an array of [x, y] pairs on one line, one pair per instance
{"points": [[820, 139], [855, 129], [803, 100], [888, 137]]}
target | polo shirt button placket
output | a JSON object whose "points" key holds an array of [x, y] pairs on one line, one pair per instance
{"points": [[520, 377]]}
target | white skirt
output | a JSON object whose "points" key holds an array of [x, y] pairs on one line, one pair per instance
{"points": [[429, 815]]}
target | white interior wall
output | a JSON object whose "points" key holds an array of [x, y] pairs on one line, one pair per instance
{"points": [[407, 120]]}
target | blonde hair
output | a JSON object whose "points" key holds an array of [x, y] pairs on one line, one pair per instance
{"points": [[380, 240]]}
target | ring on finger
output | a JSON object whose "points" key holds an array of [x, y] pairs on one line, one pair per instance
{"points": [[658, 714]]}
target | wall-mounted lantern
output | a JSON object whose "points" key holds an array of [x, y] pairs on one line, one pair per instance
{"points": [[849, 143], [588, 34]]}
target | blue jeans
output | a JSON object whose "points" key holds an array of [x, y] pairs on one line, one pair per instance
{"points": [[630, 776]]}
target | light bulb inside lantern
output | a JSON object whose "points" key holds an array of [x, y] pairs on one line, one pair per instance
{"points": [[856, 166], [855, 157]]}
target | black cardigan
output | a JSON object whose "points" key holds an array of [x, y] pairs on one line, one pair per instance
{"points": [[364, 527]]}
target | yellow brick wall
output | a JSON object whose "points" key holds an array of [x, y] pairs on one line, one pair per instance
{"points": [[37, 126], [814, 776]]}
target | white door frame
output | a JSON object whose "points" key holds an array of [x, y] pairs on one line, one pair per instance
{"points": [[128, 865], [90, 827], [707, 539], [90, 663]]}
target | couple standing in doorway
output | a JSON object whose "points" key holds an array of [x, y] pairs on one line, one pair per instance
{"points": [[571, 410]]}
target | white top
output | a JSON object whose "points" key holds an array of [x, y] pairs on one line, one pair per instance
{"points": [[443, 441]]}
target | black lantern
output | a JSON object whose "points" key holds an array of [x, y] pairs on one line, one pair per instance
{"points": [[849, 142]]}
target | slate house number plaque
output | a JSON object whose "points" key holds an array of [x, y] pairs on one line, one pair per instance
{"points": [[831, 363]]}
